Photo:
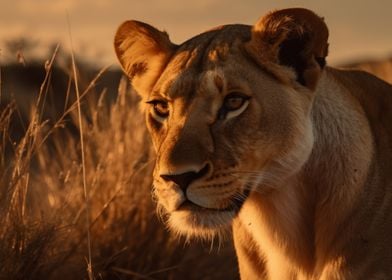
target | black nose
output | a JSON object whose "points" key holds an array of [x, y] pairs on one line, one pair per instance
{"points": [[183, 180]]}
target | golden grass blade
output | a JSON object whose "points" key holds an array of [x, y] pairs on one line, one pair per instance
{"points": [[81, 131], [43, 92]]}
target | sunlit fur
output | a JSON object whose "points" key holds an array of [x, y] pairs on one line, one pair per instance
{"points": [[301, 173]]}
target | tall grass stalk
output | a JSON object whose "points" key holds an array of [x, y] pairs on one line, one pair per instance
{"points": [[81, 133]]}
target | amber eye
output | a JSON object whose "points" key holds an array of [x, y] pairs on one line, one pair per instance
{"points": [[160, 109], [233, 105], [234, 101]]}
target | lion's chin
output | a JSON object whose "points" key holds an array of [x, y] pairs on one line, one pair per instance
{"points": [[193, 221]]}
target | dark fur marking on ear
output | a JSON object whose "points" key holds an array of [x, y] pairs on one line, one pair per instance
{"points": [[291, 54], [137, 69], [321, 61]]}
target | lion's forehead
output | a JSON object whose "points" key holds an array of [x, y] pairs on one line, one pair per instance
{"points": [[199, 98], [190, 91], [210, 83], [210, 46], [197, 65]]}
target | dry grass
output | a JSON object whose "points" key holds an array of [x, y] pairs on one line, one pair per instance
{"points": [[42, 203]]}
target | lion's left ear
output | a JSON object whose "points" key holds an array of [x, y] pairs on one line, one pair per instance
{"points": [[296, 38], [143, 52]]}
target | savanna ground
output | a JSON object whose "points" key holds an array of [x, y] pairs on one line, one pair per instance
{"points": [[75, 180]]}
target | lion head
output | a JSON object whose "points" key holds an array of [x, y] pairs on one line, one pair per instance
{"points": [[228, 111]]}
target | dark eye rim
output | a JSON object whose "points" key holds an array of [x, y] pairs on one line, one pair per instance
{"points": [[156, 102], [235, 94]]}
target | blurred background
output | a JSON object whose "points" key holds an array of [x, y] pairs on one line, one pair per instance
{"points": [[73, 211], [359, 30]]}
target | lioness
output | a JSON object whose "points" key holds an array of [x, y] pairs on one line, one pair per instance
{"points": [[252, 130]]}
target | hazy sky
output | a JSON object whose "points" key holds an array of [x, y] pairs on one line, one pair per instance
{"points": [[358, 29]]}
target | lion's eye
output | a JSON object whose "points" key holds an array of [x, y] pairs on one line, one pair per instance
{"points": [[234, 101], [160, 109], [233, 105]]}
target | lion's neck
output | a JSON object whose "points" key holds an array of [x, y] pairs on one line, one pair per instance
{"points": [[296, 227], [280, 227]]}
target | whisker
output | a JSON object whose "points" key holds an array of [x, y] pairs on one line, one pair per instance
{"points": [[212, 244]]}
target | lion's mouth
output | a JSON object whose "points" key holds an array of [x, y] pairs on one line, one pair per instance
{"points": [[191, 219], [234, 205], [193, 207]]}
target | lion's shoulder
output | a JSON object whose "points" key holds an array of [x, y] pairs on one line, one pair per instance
{"points": [[374, 94], [375, 97]]}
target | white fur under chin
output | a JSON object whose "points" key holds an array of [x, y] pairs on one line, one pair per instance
{"points": [[204, 226]]}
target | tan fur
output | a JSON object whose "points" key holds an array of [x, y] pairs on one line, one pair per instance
{"points": [[301, 171]]}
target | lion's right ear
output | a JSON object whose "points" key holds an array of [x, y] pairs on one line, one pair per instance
{"points": [[143, 52], [296, 38]]}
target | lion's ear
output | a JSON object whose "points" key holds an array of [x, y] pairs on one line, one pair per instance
{"points": [[143, 52], [296, 38]]}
